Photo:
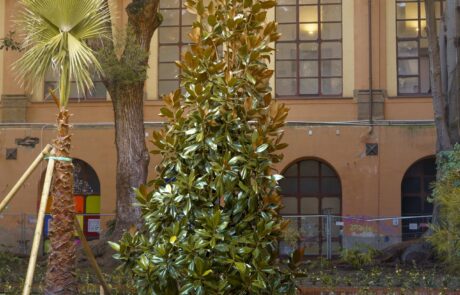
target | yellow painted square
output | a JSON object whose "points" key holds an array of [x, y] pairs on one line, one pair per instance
{"points": [[80, 221], [93, 205]]}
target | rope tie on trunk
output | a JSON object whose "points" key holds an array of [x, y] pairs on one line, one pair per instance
{"points": [[63, 159]]}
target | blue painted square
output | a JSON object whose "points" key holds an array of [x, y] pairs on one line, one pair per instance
{"points": [[46, 225]]}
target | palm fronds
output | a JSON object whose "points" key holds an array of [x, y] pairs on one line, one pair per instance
{"points": [[56, 32]]}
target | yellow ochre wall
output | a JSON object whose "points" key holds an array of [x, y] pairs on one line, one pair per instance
{"points": [[370, 185], [2, 33]]}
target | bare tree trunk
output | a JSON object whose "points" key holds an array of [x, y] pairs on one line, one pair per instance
{"points": [[60, 275], [132, 154], [128, 103], [443, 138], [127, 96], [443, 141], [450, 70], [421, 250]]}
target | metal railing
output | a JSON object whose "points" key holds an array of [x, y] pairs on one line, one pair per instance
{"points": [[17, 230], [321, 235], [326, 235]]}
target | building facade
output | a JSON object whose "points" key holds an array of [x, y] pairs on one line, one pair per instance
{"points": [[354, 73]]}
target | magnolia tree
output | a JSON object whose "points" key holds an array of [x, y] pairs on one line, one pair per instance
{"points": [[211, 219]]}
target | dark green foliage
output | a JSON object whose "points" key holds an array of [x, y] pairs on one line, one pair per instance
{"points": [[211, 217], [9, 263], [359, 257], [446, 233], [126, 63], [408, 278], [136, 6]]}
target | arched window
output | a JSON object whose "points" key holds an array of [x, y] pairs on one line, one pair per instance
{"points": [[415, 191], [87, 196], [310, 187]]}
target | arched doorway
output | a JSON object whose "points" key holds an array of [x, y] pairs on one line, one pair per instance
{"points": [[308, 189], [87, 196], [416, 188]]}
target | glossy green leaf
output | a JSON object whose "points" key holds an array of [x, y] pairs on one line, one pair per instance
{"points": [[241, 266], [114, 246]]}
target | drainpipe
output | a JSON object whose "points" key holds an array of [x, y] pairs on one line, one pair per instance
{"points": [[371, 107], [371, 96]]}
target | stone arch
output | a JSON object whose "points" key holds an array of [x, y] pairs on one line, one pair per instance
{"points": [[311, 187], [416, 188]]}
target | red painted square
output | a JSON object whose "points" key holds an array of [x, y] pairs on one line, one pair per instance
{"points": [[79, 204]]}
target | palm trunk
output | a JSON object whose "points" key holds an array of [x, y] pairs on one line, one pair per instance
{"points": [[132, 153], [60, 275]]}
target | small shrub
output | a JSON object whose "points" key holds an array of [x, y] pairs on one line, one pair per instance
{"points": [[358, 257], [9, 263], [446, 232], [291, 235]]}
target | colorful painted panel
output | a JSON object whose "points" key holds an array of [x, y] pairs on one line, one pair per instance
{"points": [[46, 225], [47, 246], [79, 204], [81, 222], [92, 225], [86, 181], [49, 204], [87, 199], [93, 204]]}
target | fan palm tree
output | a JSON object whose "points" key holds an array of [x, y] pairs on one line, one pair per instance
{"points": [[56, 32]]}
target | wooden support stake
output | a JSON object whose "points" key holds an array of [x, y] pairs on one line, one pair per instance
{"points": [[39, 228], [91, 257], [23, 178]]}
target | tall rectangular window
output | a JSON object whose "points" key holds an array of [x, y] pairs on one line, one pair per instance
{"points": [[99, 91], [309, 53], [173, 37], [412, 46]]}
